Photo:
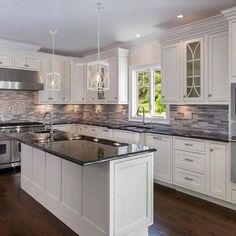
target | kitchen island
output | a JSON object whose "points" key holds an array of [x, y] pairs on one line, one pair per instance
{"points": [[96, 187]]}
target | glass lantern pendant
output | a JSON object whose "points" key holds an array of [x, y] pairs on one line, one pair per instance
{"points": [[98, 72], [53, 79]]}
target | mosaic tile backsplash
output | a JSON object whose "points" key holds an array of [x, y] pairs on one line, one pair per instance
{"points": [[209, 120]]}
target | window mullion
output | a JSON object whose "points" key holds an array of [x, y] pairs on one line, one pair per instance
{"points": [[151, 98]]}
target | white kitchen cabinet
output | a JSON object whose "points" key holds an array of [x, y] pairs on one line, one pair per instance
{"points": [[6, 61], [118, 78], [127, 136], [218, 169], [78, 89], [69, 128], [163, 156], [62, 66], [190, 164], [26, 63], [233, 47], [193, 70], [171, 73], [218, 90]]}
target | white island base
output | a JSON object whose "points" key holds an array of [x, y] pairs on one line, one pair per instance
{"points": [[110, 199]]}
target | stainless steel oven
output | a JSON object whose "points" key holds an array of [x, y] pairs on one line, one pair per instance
{"points": [[5, 151]]}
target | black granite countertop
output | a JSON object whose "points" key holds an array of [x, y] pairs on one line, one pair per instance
{"points": [[172, 132], [83, 150]]}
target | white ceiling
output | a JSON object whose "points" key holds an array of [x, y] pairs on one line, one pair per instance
{"points": [[29, 21]]}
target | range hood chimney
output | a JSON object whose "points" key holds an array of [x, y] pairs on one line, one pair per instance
{"points": [[13, 79]]}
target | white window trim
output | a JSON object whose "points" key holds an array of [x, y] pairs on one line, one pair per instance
{"points": [[132, 94]]}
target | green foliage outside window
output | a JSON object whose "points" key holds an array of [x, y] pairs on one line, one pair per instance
{"points": [[144, 93]]}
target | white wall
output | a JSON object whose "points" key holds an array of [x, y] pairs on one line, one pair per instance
{"points": [[145, 52]]}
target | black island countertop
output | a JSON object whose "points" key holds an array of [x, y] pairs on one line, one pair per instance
{"points": [[83, 150]]}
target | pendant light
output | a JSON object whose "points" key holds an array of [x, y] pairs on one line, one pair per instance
{"points": [[53, 78], [98, 72]]}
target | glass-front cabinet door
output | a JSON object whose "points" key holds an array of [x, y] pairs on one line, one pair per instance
{"points": [[193, 70]]}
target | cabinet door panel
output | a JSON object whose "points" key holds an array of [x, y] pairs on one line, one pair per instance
{"points": [[218, 174], [66, 82], [20, 62], [32, 64], [233, 47], [6, 61], [218, 67], [77, 83], [171, 73], [162, 158]]}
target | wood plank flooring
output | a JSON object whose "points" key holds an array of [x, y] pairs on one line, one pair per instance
{"points": [[175, 214]]}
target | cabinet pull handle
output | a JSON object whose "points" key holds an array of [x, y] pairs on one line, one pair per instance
{"points": [[63, 98], [157, 138], [82, 98], [26, 65], [93, 130], [188, 144], [115, 97], [1, 62], [190, 160], [184, 96], [209, 95], [190, 179], [163, 96], [105, 130], [211, 150]]}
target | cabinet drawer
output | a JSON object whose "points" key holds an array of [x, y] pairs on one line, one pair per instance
{"points": [[126, 136], [190, 180], [190, 144], [104, 132], [6, 61], [190, 161]]}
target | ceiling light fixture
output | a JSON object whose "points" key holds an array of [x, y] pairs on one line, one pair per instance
{"points": [[53, 79], [98, 81], [138, 35], [180, 16]]}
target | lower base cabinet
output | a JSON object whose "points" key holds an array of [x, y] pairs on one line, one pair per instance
{"points": [[163, 156], [95, 200], [218, 170]]}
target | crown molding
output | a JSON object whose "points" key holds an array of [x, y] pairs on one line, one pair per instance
{"points": [[198, 28], [18, 45], [230, 13]]}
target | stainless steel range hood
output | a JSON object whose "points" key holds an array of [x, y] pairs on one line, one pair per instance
{"points": [[13, 79]]}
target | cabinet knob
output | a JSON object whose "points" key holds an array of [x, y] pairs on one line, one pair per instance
{"points": [[26, 65], [184, 96], [209, 95], [115, 97], [82, 98], [50, 98], [163, 96], [211, 150], [1, 62], [92, 98], [63, 98]]}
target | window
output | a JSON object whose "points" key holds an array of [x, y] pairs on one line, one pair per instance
{"points": [[145, 91]]}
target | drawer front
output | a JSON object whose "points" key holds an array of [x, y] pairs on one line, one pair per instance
{"points": [[126, 136], [190, 180], [190, 144], [6, 61], [104, 132], [190, 161]]}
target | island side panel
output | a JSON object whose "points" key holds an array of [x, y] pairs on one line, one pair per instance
{"points": [[58, 185], [131, 199]]}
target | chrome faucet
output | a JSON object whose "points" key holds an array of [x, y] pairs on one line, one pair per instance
{"points": [[51, 122], [143, 115]]}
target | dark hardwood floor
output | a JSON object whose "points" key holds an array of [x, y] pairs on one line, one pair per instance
{"points": [[175, 214]]}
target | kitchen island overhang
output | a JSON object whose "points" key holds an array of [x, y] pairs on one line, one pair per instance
{"points": [[108, 197]]}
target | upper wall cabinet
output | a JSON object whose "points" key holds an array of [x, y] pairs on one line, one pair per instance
{"points": [[218, 90], [78, 89], [193, 70], [195, 66], [171, 73], [19, 59], [63, 66], [117, 71]]}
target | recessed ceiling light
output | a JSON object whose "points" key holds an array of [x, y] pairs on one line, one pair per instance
{"points": [[180, 16], [138, 35]]}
